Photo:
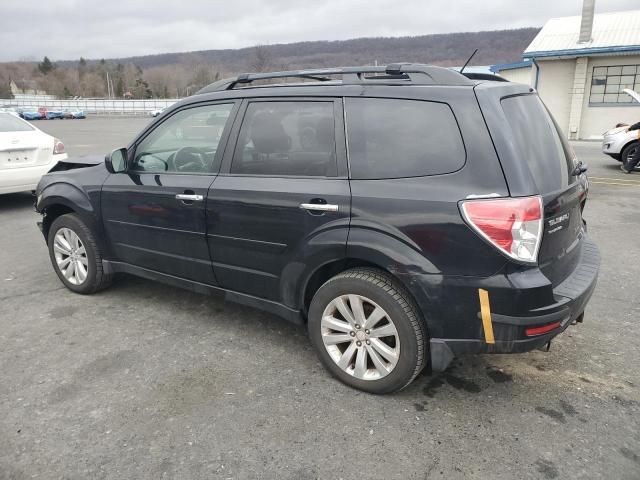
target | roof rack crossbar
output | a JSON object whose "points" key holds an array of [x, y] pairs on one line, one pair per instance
{"points": [[398, 72]]}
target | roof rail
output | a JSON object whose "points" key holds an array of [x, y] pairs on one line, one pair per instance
{"points": [[394, 73]]}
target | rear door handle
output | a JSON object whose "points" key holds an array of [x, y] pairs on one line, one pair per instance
{"points": [[186, 197], [319, 207]]}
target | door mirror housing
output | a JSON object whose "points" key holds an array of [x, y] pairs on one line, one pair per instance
{"points": [[116, 161]]}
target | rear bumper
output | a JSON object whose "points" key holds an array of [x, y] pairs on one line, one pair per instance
{"points": [[571, 298], [15, 180]]}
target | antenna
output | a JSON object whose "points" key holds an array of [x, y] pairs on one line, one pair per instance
{"points": [[467, 62]]}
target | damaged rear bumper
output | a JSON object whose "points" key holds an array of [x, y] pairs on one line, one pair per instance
{"points": [[572, 296]]}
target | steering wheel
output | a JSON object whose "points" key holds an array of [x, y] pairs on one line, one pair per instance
{"points": [[148, 160], [190, 159]]}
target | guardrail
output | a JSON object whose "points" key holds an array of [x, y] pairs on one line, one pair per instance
{"points": [[94, 106]]}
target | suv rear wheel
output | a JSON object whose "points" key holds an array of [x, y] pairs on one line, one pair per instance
{"points": [[75, 255], [367, 331]]}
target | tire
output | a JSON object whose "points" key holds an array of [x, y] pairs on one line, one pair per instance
{"points": [[627, 152], [87, 255], [354, 343]]}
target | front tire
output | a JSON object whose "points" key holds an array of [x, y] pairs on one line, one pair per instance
{"points": [[627, 154], [75, 255], [367, 331]]}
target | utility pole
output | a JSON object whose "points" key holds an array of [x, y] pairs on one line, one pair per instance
{"points": [[109, 87]]}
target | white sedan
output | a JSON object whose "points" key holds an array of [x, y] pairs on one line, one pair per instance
{"points": [[26, 154]]}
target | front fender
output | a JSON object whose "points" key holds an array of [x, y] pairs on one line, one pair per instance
{"points": [[64, 193], [73, 198]]}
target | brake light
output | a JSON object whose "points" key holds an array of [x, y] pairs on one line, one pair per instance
{"points": [[58, 147], [532, 332], [512, 225]]}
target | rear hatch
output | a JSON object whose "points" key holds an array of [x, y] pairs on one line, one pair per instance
{"points": [[541, 146]]}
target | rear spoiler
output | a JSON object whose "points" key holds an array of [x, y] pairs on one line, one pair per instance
{"points": [[484, 76]]}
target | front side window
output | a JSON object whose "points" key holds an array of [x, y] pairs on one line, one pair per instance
{"points": [[392, 138], [607, 84], [187, 142], [287, 138]]}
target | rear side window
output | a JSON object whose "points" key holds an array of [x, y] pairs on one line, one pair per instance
{"points": [[10, 123], [390, 138], [287, 138], [539, 142]]}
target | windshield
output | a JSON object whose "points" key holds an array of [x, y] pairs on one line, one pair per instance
{"points": [[540, 142]]}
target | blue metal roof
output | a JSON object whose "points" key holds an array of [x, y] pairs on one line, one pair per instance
{"points": [[573, 52]]}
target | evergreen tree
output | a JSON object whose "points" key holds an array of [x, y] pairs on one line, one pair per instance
{"points": [[46, 65], [82, 67]]}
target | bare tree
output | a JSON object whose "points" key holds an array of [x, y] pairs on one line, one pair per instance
{"points": [[261, 59]]}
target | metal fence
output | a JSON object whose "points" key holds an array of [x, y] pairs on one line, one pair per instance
{"points": [[93, 105]]}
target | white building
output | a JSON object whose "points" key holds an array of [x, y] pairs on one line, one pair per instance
{"points": [[579, 65]]}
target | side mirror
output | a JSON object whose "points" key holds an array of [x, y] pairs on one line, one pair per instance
{"points": [[116, 161]]}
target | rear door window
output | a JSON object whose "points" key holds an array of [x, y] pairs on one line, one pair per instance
{"points": [[539, 142], [392, 138], [287, 138]]}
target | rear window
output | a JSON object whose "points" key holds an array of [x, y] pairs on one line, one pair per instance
{"points": [[390, 138], [539, 142], [11, 123]]}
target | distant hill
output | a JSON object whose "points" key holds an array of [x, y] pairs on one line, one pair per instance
{"points": [[449, 49], [174, 75]]}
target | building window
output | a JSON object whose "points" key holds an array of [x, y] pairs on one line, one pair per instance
{"points": [[607, 84]]}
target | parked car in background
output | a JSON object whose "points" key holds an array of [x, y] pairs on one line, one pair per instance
{"points": [[620, 144], [74, 114], [54, 114], [30, 114], [406, 214], [26, 154]]}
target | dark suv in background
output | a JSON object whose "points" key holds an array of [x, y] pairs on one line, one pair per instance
{"points": [[407, 213]]}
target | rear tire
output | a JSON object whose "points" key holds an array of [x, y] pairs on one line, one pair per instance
{"points": [[75, 255], [380, 344]]}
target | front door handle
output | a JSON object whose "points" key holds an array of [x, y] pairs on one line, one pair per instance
{"points": [[319, 207], [186, 197]]}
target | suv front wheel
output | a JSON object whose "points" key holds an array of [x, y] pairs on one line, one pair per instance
{"points": [[75, 255], [367, 331]]}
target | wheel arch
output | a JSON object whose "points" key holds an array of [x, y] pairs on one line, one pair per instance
{"points": [[63, 198], [52, 212], [626, 145], [327, 271]]}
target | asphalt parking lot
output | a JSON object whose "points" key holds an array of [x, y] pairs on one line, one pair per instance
{"points": [[148, 381]]}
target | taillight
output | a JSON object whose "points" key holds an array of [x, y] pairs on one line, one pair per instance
{"points": [[58, 146], [513, 225]]}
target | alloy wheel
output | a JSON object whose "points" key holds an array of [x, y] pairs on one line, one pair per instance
{"points": [[360, 337], [71, 256]]}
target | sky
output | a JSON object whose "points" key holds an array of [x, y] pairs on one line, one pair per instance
{"points": [[69, 29]]}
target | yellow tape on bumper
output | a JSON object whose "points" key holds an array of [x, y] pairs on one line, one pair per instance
{"points": [[485, 312]]}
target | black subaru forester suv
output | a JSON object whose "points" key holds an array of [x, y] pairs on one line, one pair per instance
{"points": [[407, 214]]}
